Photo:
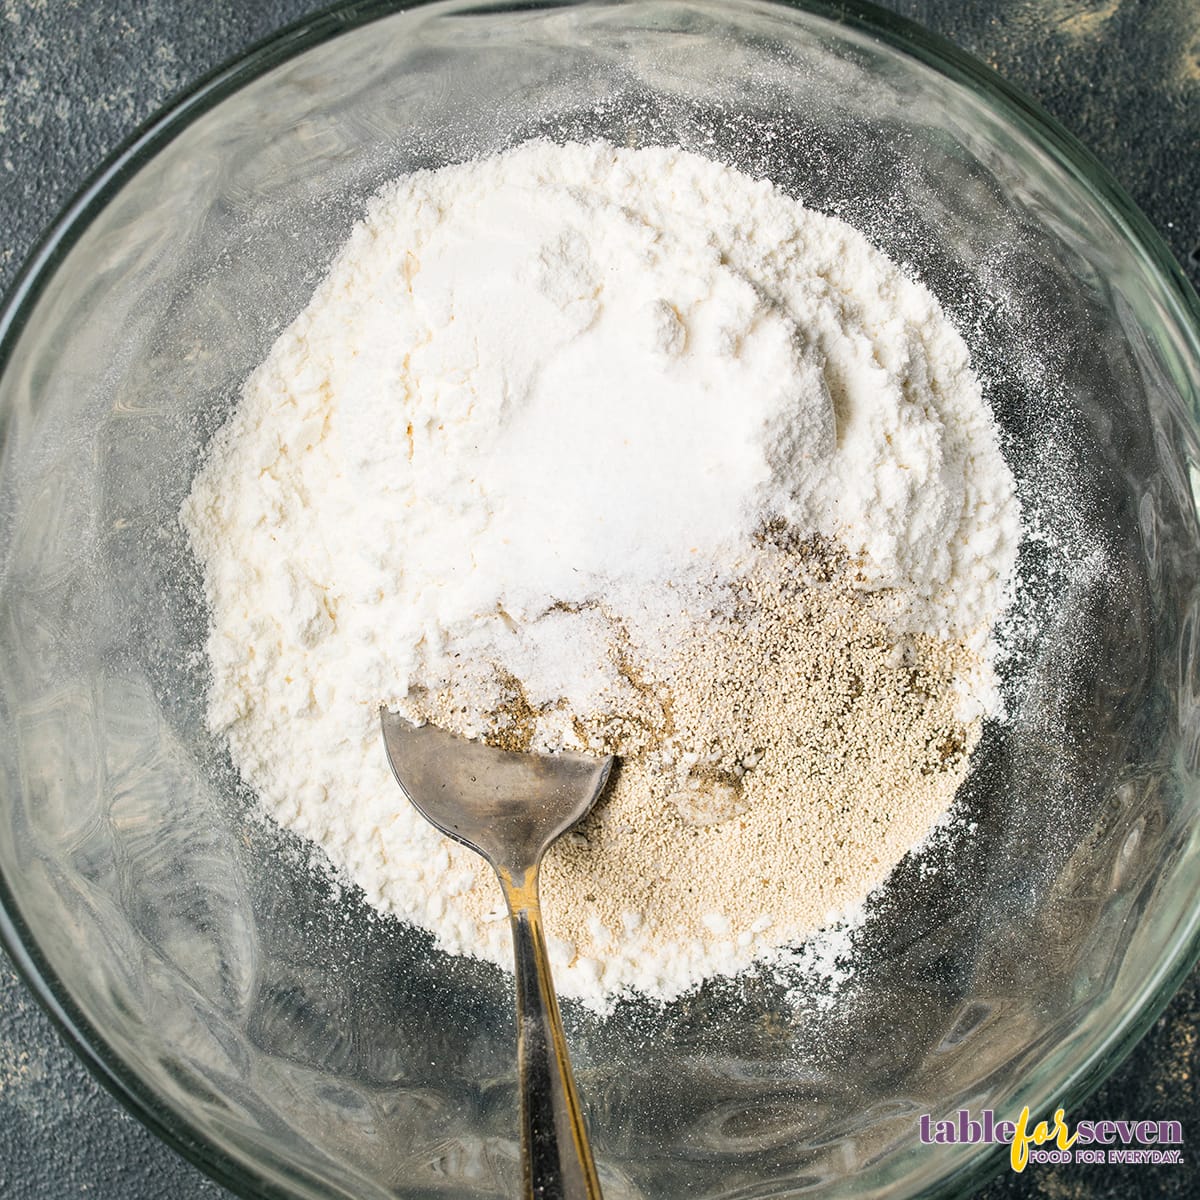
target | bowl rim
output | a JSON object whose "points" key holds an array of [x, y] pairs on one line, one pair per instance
{"points": [[239, 1174]]}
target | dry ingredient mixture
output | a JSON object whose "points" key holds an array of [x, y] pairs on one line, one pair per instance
{"points": [[615, 449]]}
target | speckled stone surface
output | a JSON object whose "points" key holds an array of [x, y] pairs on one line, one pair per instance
{"points": [[77, 76]]}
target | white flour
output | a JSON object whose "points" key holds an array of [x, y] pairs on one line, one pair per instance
{"points": [[541, 405]]}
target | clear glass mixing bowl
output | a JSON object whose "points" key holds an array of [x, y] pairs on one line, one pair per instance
{"points": [[254, 1013]]}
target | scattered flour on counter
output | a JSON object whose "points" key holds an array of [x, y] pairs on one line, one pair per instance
{"points": [[623, 450]]}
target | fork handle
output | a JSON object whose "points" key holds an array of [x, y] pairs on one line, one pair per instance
{"points": [[554, 1142]]}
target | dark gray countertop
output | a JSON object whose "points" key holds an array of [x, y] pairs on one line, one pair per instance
{"points": [[77, 76]]}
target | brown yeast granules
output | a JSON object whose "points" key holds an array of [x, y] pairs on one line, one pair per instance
{"points": [[778, 762]]}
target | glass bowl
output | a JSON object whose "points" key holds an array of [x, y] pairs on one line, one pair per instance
{"points": [[248, 1007]]}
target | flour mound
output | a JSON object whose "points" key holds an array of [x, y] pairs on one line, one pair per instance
{"points": [[534, 421]]}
